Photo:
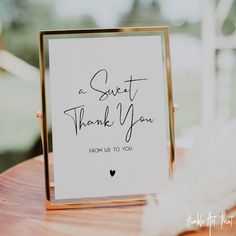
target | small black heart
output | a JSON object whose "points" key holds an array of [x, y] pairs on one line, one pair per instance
{"points": [[112, 172]]}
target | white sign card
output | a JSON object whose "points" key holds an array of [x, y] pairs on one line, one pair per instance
{"points": [[109, 116]]}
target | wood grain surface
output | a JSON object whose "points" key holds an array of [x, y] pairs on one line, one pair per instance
{"points": [[22, 211]]}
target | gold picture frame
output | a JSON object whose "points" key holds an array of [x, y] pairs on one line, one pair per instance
{"points": [[51, 203]]}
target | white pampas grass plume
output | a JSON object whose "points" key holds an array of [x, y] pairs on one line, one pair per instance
{"points": [[204, 183]]}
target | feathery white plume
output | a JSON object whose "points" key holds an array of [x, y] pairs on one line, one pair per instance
{"points": [[204, 183]]}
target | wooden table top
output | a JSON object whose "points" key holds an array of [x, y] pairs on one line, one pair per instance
{"points": [[22, 211]]}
